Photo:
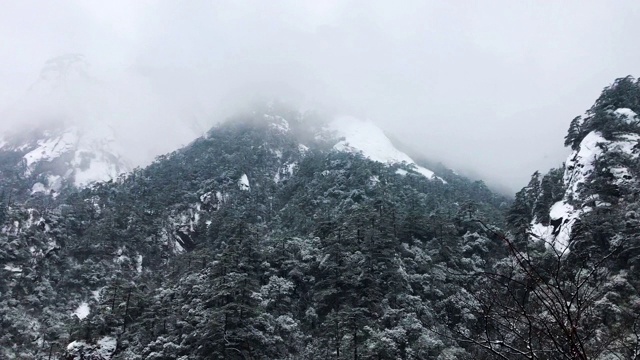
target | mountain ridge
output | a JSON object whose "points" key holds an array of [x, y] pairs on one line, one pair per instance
{"points": [[273, 236]]}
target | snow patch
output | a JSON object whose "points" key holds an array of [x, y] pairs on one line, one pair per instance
{"points": [[76, 344], [580, 163], [53, 186], [50, 149], [243, 183], [97, 294], [366, 138], [139, 264], [626, 114], [82, 311], [558, 233], [285, 172], [38, 188], [96, 172], [402, 172], [106, 347], [621, 174], [11, 268]]}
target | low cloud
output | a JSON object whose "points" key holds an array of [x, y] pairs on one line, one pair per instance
{"points": [[485, 87]]}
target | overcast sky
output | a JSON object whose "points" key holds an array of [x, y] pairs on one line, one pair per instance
{"points": [[484, 86]]}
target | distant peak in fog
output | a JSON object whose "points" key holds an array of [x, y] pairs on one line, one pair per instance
{"points": [[61, 68], [70, 92]]}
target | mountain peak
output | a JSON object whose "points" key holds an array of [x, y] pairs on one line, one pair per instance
{"points": [[363, 136]]}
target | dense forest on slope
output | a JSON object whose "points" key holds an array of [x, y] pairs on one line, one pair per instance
{"points": [[261, 240]]}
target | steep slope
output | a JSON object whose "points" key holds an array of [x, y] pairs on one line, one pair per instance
{"points": [[365, 137], [599, 174], [574, 245]]}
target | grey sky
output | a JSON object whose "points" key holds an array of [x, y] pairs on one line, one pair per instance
{"points": [[488, 86]]}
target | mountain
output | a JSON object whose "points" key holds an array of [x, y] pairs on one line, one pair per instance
{"points": [[575, 233], [71, 128], [55, 156], [288, 235], [271, 192], [598, 175], [64, 139]]}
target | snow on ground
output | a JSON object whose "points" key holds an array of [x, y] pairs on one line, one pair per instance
{"points": [[580, 163], [106, 346], [76, 344], [82, 311], [563, 216], [287, 170], [11, 268], [97, 294], [52, 148], [626, 114], [95, 153], [579, 167], [243, 183], [95, 172], [53, 186], [369, 140]]}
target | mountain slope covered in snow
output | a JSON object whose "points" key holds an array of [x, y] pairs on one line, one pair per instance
{"points": [[365, 137], [600, 173]]}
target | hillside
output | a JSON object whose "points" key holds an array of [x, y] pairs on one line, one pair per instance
{"points": [[283, 235], [265, 202]]}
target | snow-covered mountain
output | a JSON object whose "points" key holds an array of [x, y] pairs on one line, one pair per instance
{"points": [[353, 135], [579, 173], [57, 155], [600, 171], [350, 134], [60, 130], [365, 137]]}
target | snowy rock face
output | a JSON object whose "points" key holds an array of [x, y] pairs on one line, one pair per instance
{"points": [[579, 175], [59, 155], [364, 137]]}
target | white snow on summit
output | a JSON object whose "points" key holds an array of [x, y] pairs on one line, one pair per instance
{"points": [[368, 139], [51, 148]]}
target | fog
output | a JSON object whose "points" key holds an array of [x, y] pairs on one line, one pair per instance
{"points": [[486, 87]]}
